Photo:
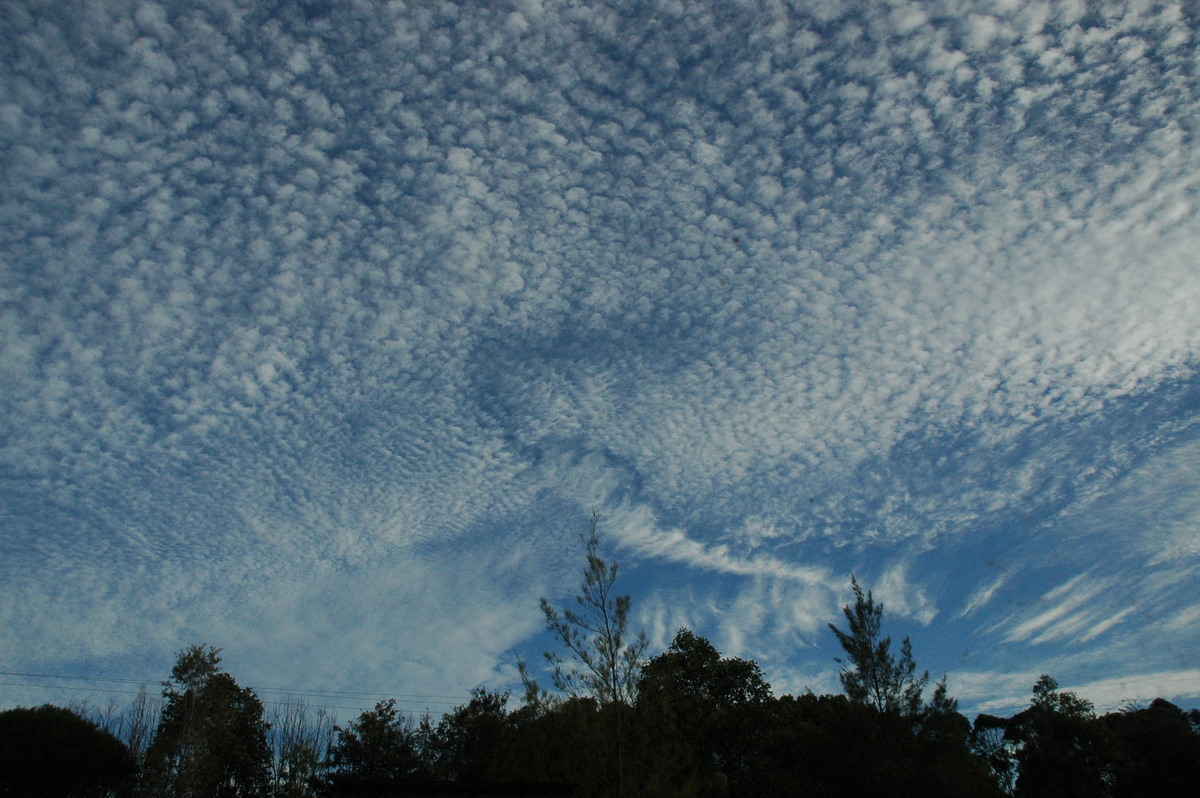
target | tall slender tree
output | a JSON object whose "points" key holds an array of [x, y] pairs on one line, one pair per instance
{"points": [[602, 660], [139, 723], [871, 672], [601, 663]]}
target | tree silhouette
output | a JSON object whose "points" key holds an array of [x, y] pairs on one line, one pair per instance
{"points": [[1156, 751], [53, 752], [872, 674], [473, 742], [1055, 747], [601, 661], [699, 722], [380, 745], [211, 738], [300, 738]]}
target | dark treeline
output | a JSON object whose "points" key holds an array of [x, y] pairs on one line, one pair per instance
{"points": [[687, 722]]}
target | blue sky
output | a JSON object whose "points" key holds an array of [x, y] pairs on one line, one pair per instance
{"points": [[324, 326]]}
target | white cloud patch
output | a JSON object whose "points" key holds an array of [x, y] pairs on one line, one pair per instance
{"points": [[901, 599]]}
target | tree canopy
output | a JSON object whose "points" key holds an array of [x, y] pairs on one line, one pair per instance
{"points": [[54, 752], [211, 737], [380, 744]]}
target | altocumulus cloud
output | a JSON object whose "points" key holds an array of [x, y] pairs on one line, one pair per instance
{"points": [[323, 326]]}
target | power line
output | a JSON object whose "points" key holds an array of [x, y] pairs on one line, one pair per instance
{"points": [[68, 687], [81, 678]]}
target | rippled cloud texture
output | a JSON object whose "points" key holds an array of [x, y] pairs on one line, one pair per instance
{"points": [[324, 326]]}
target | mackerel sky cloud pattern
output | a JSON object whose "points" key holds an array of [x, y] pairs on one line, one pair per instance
{"points": [[324, 326]]}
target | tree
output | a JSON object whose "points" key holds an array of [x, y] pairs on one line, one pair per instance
{"points": [[569, 740], [943, 745], [300, 740], [138, 723], [211, 737], [55, 752], [698, 722], [990, 742], [133, 725], [381, 745], [473, 742], [1062, 750], [1048, 698], [692, 669], [602, 662], [1056, 748], [872, 675], [1156, 751], [828, 746]]}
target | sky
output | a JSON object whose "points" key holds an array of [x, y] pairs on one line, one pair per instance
{"points": [[325, 327]]}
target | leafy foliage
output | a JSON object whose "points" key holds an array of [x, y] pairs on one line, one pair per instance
{"points": [[380, 745], [1154, 751], [211, 738], [474, 742], [693, 724], [1053, 748], [697, 719], [601, 664]]}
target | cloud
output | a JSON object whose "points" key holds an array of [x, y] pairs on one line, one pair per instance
{"points": [[1066, 597], [901, 599], [984, 594], [785, 295], [1108, 695], [638, 530]]}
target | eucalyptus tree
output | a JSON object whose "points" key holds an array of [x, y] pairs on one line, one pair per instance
{"points": [[701, 720], [1155, 750], [475, 741], [380, 745]]}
